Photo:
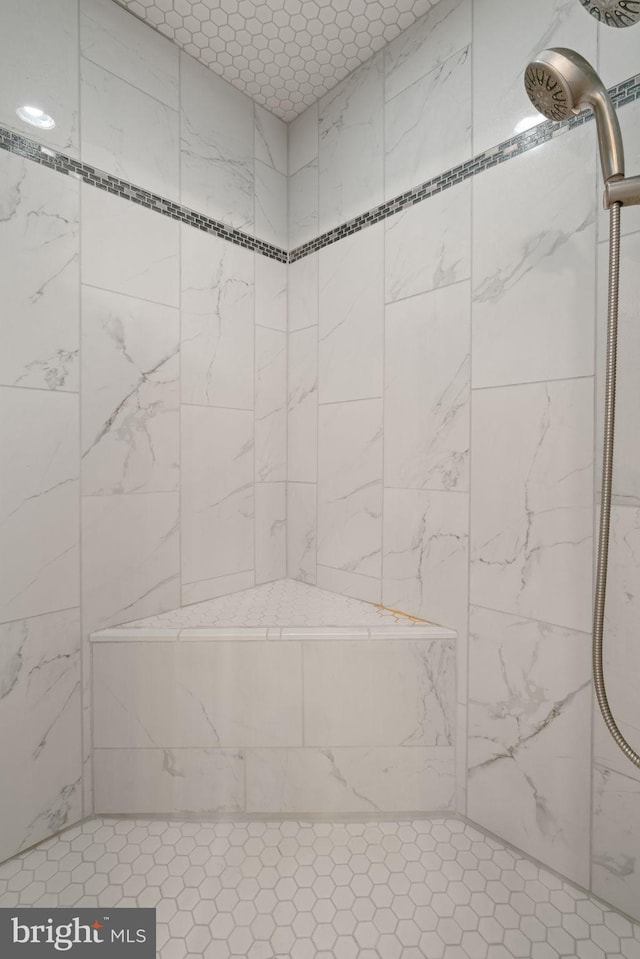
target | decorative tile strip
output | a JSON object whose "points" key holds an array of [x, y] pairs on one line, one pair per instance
{"points": [[31, 150]]}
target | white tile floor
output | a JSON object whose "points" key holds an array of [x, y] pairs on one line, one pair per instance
{"points": [[403, 890]]}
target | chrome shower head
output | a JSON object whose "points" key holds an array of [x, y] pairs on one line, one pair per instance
{"points": [[615, 13], [559, 83]]}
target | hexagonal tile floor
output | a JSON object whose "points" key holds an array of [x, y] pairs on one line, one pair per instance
{"points": [[386, 890]]}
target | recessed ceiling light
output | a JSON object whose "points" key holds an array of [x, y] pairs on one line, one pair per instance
{"points": [[527, 122], [36, 117]]}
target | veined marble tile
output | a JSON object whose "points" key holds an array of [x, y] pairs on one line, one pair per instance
{"points": [[128, 249], [130, 557], [302, 460], [112, 38], [303, 137], [218, 586], [398, 693], [346, 583], [350, 486], [204, 782], [217, 492], [529, 742], [194, 694], [426, 555], [128, 133], [270, 292], [301, 531], [427, 390], [506, 37], [373, 779], [39, 438], [303, 292], [534, 265], [271, 531], [615, 867], [429, 245], [217, 322], [531, 501], [428, 125], [271, 405], [352, 314], [351, 150], [444, 30], [40, 712], [217, 146], [617, 55], [39, 67], [39, 246], [303, 204], [271, 205], [270, 139], [130, 372]]}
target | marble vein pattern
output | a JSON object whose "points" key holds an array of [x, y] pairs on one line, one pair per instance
{"points": [[270, 533], [302, 459], [529, 742], [270, 405], [216, 586], [271, 205], [40, 706], [533, 298], [217, 514], [531, 501], [303, 139], [302, 508], [303, 204], [271, 135], [616, 851], [130, 369], [303, 293], [217, 322], [350, 486], [39, 246], [217, 175], [428, 368], [351, 314], [351, 145], [39, 435], [428, 125], [270, 293]]}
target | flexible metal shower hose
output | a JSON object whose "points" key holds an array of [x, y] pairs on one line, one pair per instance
{"points": [[607, 474]]}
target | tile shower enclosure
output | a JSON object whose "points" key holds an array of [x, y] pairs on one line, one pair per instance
{"points": [[404, 415]]}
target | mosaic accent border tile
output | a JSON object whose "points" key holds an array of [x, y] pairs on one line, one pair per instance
{"points": [[623, 93]]}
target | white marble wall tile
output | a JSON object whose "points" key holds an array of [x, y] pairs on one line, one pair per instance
{"points": [[112, 38], [398, 693], [444, 30], [130, 557], [270, 139], [302, 461], [428, 125], [429, 245], [217, 146], [39, 438], [217, 322], [39, 67], [617, 54], [128, 249], [351, 317], [529, 742], [175, 782], [130, 380], [303, 293], [461, 756], [426, 555], [40, 713], [270, 292], [534, 265], [303, 137], [271, 531], [217, 492], [615, 869], [506, 36], [39, 246], [218, 586], [301, 531], [350, 486], [303, 205], [128, 133], [368, 780], [194, 694], [346, 583], [271, 405], [271, 205], [351, 150], [427, 390], [531, 501]]}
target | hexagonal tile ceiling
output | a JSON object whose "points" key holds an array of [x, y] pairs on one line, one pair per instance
{"points": [[285, 54]]}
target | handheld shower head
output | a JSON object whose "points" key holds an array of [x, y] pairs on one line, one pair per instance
{"points": [[615, 13], [559, 83]]}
